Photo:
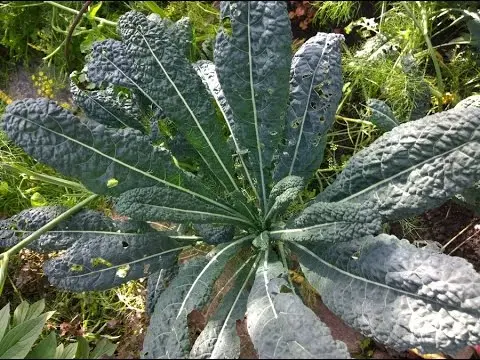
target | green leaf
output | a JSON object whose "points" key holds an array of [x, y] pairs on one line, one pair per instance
{"points": [[103, 347], [35, 309], [3, 188], [253, 68], [414, 167], [381, 115], [280, 326], [45, 349], [20, 313], [331, 222], [315, 91], [400, 295], [125, 257], [68, 352], [83, 350], [172, 85], [4, 320], [18, 341], [59, 352], [92, 12]]}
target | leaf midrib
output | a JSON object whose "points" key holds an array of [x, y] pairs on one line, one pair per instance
{"points": [[254, 109]]}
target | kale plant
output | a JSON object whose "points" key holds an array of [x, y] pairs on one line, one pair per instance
{"points": [[227, 147]]}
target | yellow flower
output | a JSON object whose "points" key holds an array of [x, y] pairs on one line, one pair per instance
{"points": [[33, 77], [41, 73]]}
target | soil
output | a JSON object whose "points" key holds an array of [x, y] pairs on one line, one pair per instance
{"points": [[445, 222]]}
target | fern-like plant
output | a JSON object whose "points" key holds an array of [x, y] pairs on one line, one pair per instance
{"points": [[162, 153]]}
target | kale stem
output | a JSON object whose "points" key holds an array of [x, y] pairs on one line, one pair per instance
{"points": [[48, 226], [46, 178]]}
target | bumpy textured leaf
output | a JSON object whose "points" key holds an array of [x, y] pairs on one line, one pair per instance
{"points": [[102, 260], [170, 84], [284, 193], [167, 334], [332, 222], [252, 67], [382, 116], [315, 91], [416, 166], [62, 236], [93, 153], [105, 107], [156, 284], [156, 203], [396, 293], [86, 149], [181, 30], [213, 234], [281, 326], [473, 100], [207, 72], [219, 339]]}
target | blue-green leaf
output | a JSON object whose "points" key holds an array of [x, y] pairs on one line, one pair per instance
{"points": [[106, 107], [171, 84], [283, 194], [332, 222], [214, 234], [315, 91], [416, 166], [96, 154], [381, 115], [167, 335], [156, 203], [253, 67], [398, 294], [219, 339], [156, 285], [281, 326], [102, 260]]}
